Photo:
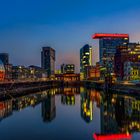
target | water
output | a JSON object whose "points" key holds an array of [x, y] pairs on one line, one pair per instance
{"points": [[68, 114]]}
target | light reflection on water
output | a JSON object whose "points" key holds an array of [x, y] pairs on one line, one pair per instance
{"points": [[68, 114]]}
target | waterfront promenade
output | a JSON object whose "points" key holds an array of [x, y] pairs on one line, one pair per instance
{"points": [[11, 89]]}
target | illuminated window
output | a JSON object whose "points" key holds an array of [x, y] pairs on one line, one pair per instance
{"points": [[87, 53]]}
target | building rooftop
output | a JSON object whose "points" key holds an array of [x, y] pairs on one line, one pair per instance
{"points": [[108, 35]]}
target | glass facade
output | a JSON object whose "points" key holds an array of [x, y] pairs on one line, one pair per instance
{"points": [[85, 58], [107, 50]]}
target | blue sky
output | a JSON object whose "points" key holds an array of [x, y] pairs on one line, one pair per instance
{"points": [[65, 25]]}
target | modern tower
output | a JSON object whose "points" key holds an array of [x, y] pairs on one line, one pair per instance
{"points": [[108, 44], [85, 58], [48, 60]]}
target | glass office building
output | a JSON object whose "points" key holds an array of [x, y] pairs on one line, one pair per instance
{"points": [[108, 44], [85, 59]]}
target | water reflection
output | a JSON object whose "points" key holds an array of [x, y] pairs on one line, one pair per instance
{"points": [[5, 109], [47, 100], [119, 114], [86, 106], [88, 97], [48, 107], [68, 95]]}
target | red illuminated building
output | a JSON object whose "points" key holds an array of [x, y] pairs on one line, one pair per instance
{"points": [[2, 74], [108, 44]]}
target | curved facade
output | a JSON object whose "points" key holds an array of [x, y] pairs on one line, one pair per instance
{"points": [[2, 71]]}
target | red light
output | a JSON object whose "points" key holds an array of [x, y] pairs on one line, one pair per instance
{"points": [[102, 35], [2, 106], [2, 74], [112, 137]]}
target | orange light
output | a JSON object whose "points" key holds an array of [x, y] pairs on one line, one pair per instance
{"points": [[2, 74], [2, 106]]}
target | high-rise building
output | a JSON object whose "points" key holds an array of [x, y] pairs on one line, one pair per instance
{"points": [[108, 44], [85, 59], [48, 60]]}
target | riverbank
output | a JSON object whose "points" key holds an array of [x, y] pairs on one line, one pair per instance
{"points": [[12, 90], [15, 89], [115, 87]]}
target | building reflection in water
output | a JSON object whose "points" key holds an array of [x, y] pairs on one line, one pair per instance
{"points": [[17, 104], [48, 107], [120, 114], [87, 99], [68, 95], [46, 98], [5, 109]]}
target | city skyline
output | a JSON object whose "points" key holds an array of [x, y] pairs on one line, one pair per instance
{"points": [[67, 28], [71, 66]]}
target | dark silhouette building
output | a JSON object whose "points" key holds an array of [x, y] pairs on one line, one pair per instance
{"points": [[121, 56], [48, 60]]}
